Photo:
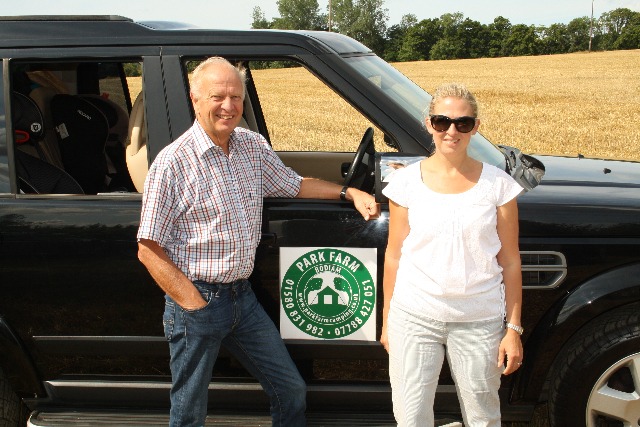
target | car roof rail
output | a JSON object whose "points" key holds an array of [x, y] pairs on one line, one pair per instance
{"points": [[65, 18]]}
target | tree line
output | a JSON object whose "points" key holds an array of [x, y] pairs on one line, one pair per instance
{"points": [[452, 36]]}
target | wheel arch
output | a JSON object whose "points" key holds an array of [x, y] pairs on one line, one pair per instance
{"points": [[17, 364], [583, 305], [595, 363]]}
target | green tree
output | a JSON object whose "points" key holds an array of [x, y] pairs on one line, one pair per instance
{"points": [[259, 19], [555, 39], [522, 41], [475, 38], [452, 36], [630, 35], [450, 23], [132, 69], [363, 20], [298, 15], [396, 35], [407, 21], [461, 38], [446, 48], [343, 14], [578, 31], [613, 24], [419, 40], [449, 46], [371, 25], [617, 20], [499, 31]]}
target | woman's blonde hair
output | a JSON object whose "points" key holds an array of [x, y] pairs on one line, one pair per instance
{"points": [[454, 90]]}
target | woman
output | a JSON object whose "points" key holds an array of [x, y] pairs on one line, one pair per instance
{"points": [[452, 281]]}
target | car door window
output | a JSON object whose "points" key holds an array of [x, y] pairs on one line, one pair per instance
{"points": [[71, 126], [312, 128]]}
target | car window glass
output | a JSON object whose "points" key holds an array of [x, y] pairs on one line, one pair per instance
{"points": [[313, 130], [415, 101], [303, 114], [71, 126], [300, 111]]}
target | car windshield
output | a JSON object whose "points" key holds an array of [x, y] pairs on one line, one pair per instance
{"points": [[415, 101]]}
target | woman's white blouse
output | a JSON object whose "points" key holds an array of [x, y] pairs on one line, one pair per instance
{"points": [[448, 268]]}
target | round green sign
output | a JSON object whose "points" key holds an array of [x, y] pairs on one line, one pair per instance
{"points": [[328, 293]]}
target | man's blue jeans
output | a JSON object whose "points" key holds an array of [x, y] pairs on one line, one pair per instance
{"points": [[232, 318]]}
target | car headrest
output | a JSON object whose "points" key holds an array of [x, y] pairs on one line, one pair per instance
{"points": [[117, 117]]}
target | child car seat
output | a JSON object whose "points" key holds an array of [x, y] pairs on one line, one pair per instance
{"points": [[118, 178], [34, 174], [82, 131], [50, 150]]}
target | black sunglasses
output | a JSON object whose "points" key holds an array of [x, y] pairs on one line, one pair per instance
{"points": [[464, 124]]}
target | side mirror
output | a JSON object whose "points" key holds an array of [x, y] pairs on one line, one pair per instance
{"points": [[390, 142], [526, 170]]}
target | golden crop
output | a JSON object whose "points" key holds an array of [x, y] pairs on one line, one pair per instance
{"points": [[579, 103]]}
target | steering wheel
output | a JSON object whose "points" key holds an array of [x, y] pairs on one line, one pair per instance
{"points": [[361, 170]]}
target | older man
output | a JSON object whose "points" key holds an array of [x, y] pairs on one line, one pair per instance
{"points": [[199, 230]]}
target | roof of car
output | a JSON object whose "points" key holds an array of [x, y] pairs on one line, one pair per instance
{"points": [[110, 30]]}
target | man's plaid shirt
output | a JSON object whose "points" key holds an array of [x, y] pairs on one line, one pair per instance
{"points": [[205, 209]]}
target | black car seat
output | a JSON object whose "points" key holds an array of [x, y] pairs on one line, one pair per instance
{"points": [[91, 132], [42, 96], [82, 131], [45, 84], [34, 174], [118, 178]]}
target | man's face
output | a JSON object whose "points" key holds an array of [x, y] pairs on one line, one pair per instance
{"points": [[219, 105]]}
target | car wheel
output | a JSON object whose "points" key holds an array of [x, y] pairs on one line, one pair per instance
{"points": [[12, 410], [596, 382]]}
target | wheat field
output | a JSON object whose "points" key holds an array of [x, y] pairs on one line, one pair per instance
{"points": [[579, 103], [587, 103]]}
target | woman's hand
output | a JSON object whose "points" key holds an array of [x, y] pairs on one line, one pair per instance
{"points": [[511, 349], [384, 338]]}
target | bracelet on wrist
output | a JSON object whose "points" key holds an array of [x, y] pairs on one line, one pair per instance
{"points": [[518, 329], [343, 193]]}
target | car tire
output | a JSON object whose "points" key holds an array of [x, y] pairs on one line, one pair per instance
{"points": [[595, 382], [12, 410]]}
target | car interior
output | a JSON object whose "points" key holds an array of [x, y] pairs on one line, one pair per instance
{"points": [[71, 132], [79, 128]]}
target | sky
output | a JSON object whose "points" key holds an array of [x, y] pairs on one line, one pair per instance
{"points": [[237, 14]]}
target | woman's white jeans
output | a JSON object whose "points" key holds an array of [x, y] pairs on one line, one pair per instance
{"points": [[417, 347]]}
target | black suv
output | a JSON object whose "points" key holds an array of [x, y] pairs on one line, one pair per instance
{"points": [[80, 318]]}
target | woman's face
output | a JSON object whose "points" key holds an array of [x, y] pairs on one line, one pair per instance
{"points": [[452, 141]]}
